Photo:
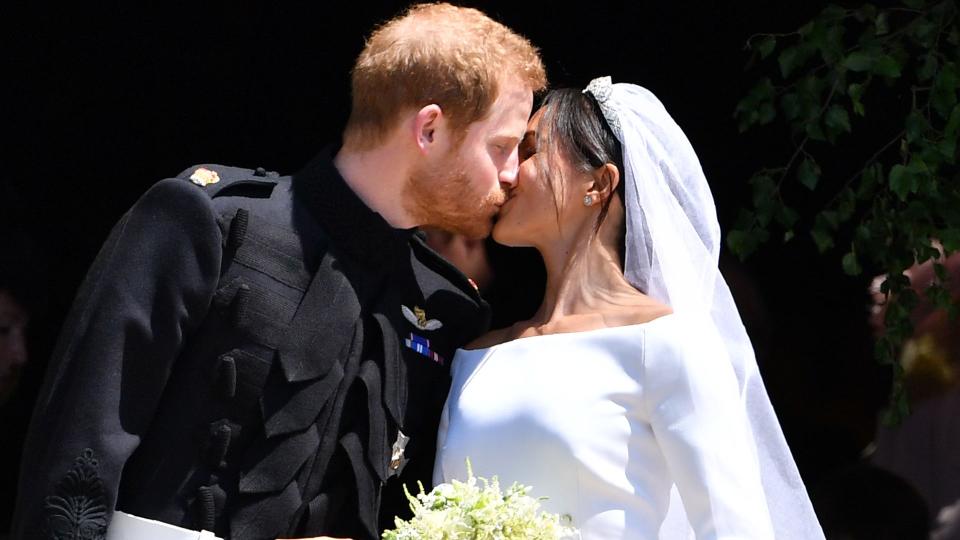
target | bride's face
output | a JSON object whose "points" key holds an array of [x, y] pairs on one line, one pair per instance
{"points": [[533, 212]]}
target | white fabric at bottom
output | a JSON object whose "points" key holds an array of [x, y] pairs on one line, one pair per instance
{"points": [[634, 432], [125, 526]]}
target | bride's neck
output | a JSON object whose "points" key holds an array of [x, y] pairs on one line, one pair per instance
{"points": [[584, 276]]}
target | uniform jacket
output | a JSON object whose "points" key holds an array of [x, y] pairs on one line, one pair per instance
{"points": [[247, 357]]}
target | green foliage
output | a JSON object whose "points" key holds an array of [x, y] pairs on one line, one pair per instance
{"points": [[892, 66], [808, 173]]}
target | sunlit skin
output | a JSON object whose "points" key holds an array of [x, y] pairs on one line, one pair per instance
{"points": [[442, 178], [585, 287]]}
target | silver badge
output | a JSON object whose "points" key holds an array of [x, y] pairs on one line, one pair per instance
{"points": [[397, 460]]}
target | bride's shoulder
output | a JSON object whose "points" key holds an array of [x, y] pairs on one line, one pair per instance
{"points": [[634, 311], [517, 330], [491, 338], [682, 338]]}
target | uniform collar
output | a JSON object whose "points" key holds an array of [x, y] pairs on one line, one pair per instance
{"points": [[353, 226]]}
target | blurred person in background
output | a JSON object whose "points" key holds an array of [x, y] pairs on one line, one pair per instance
{"points": [[13, 343], [22, 302], [923, 449]]}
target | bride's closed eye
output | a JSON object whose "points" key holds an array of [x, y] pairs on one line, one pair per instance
{"points": [[528, 146]]}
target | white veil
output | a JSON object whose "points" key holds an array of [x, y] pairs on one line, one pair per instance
{"points": [[672, 251]]}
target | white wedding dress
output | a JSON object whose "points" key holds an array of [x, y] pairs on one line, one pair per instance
{"points": [[618, 427]]}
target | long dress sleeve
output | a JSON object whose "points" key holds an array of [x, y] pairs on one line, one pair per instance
{"points": [[699, 421], [148, 289]]}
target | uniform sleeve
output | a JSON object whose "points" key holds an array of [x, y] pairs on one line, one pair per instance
{"points": [[693, 401], [147, 291]]}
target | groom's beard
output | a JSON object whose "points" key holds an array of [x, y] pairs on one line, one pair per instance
{"points": [[445, 199]]}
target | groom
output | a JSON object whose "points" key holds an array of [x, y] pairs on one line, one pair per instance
{"points": [[259, 355]]}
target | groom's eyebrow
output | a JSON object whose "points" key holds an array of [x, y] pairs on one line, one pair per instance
{"points": [[506, 138]]}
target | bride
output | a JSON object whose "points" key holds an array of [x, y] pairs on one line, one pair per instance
{"points": [[632, 398]]}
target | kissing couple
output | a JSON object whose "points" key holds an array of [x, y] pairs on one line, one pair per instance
{"points": [[263, 356]]}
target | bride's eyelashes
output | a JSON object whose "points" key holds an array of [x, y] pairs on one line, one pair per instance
{"points": [[528, 145], [527, 150]]}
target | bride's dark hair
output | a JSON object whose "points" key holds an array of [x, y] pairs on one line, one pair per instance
{"points": [[573, 124]]}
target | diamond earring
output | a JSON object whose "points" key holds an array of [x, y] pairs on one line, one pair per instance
{"points": [[588, 200]]}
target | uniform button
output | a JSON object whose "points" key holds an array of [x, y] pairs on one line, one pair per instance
{"points": [[220, 438], [227, 376], [260, 172]]}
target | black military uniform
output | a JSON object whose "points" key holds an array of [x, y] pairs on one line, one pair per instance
{"points": [[258, 357]]}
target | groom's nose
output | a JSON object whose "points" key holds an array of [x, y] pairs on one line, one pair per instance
{"points": [[508, 174]]}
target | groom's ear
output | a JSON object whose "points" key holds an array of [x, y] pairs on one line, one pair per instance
{"points": [[605, 181], [425, 125]]}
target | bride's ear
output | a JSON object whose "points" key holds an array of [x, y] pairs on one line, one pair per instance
{"points": [[605, 181]]}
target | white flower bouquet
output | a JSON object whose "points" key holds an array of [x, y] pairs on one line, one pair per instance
{"points": [[477, 510]]}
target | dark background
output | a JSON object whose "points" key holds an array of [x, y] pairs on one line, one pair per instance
{"points": [[105, 99]]}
